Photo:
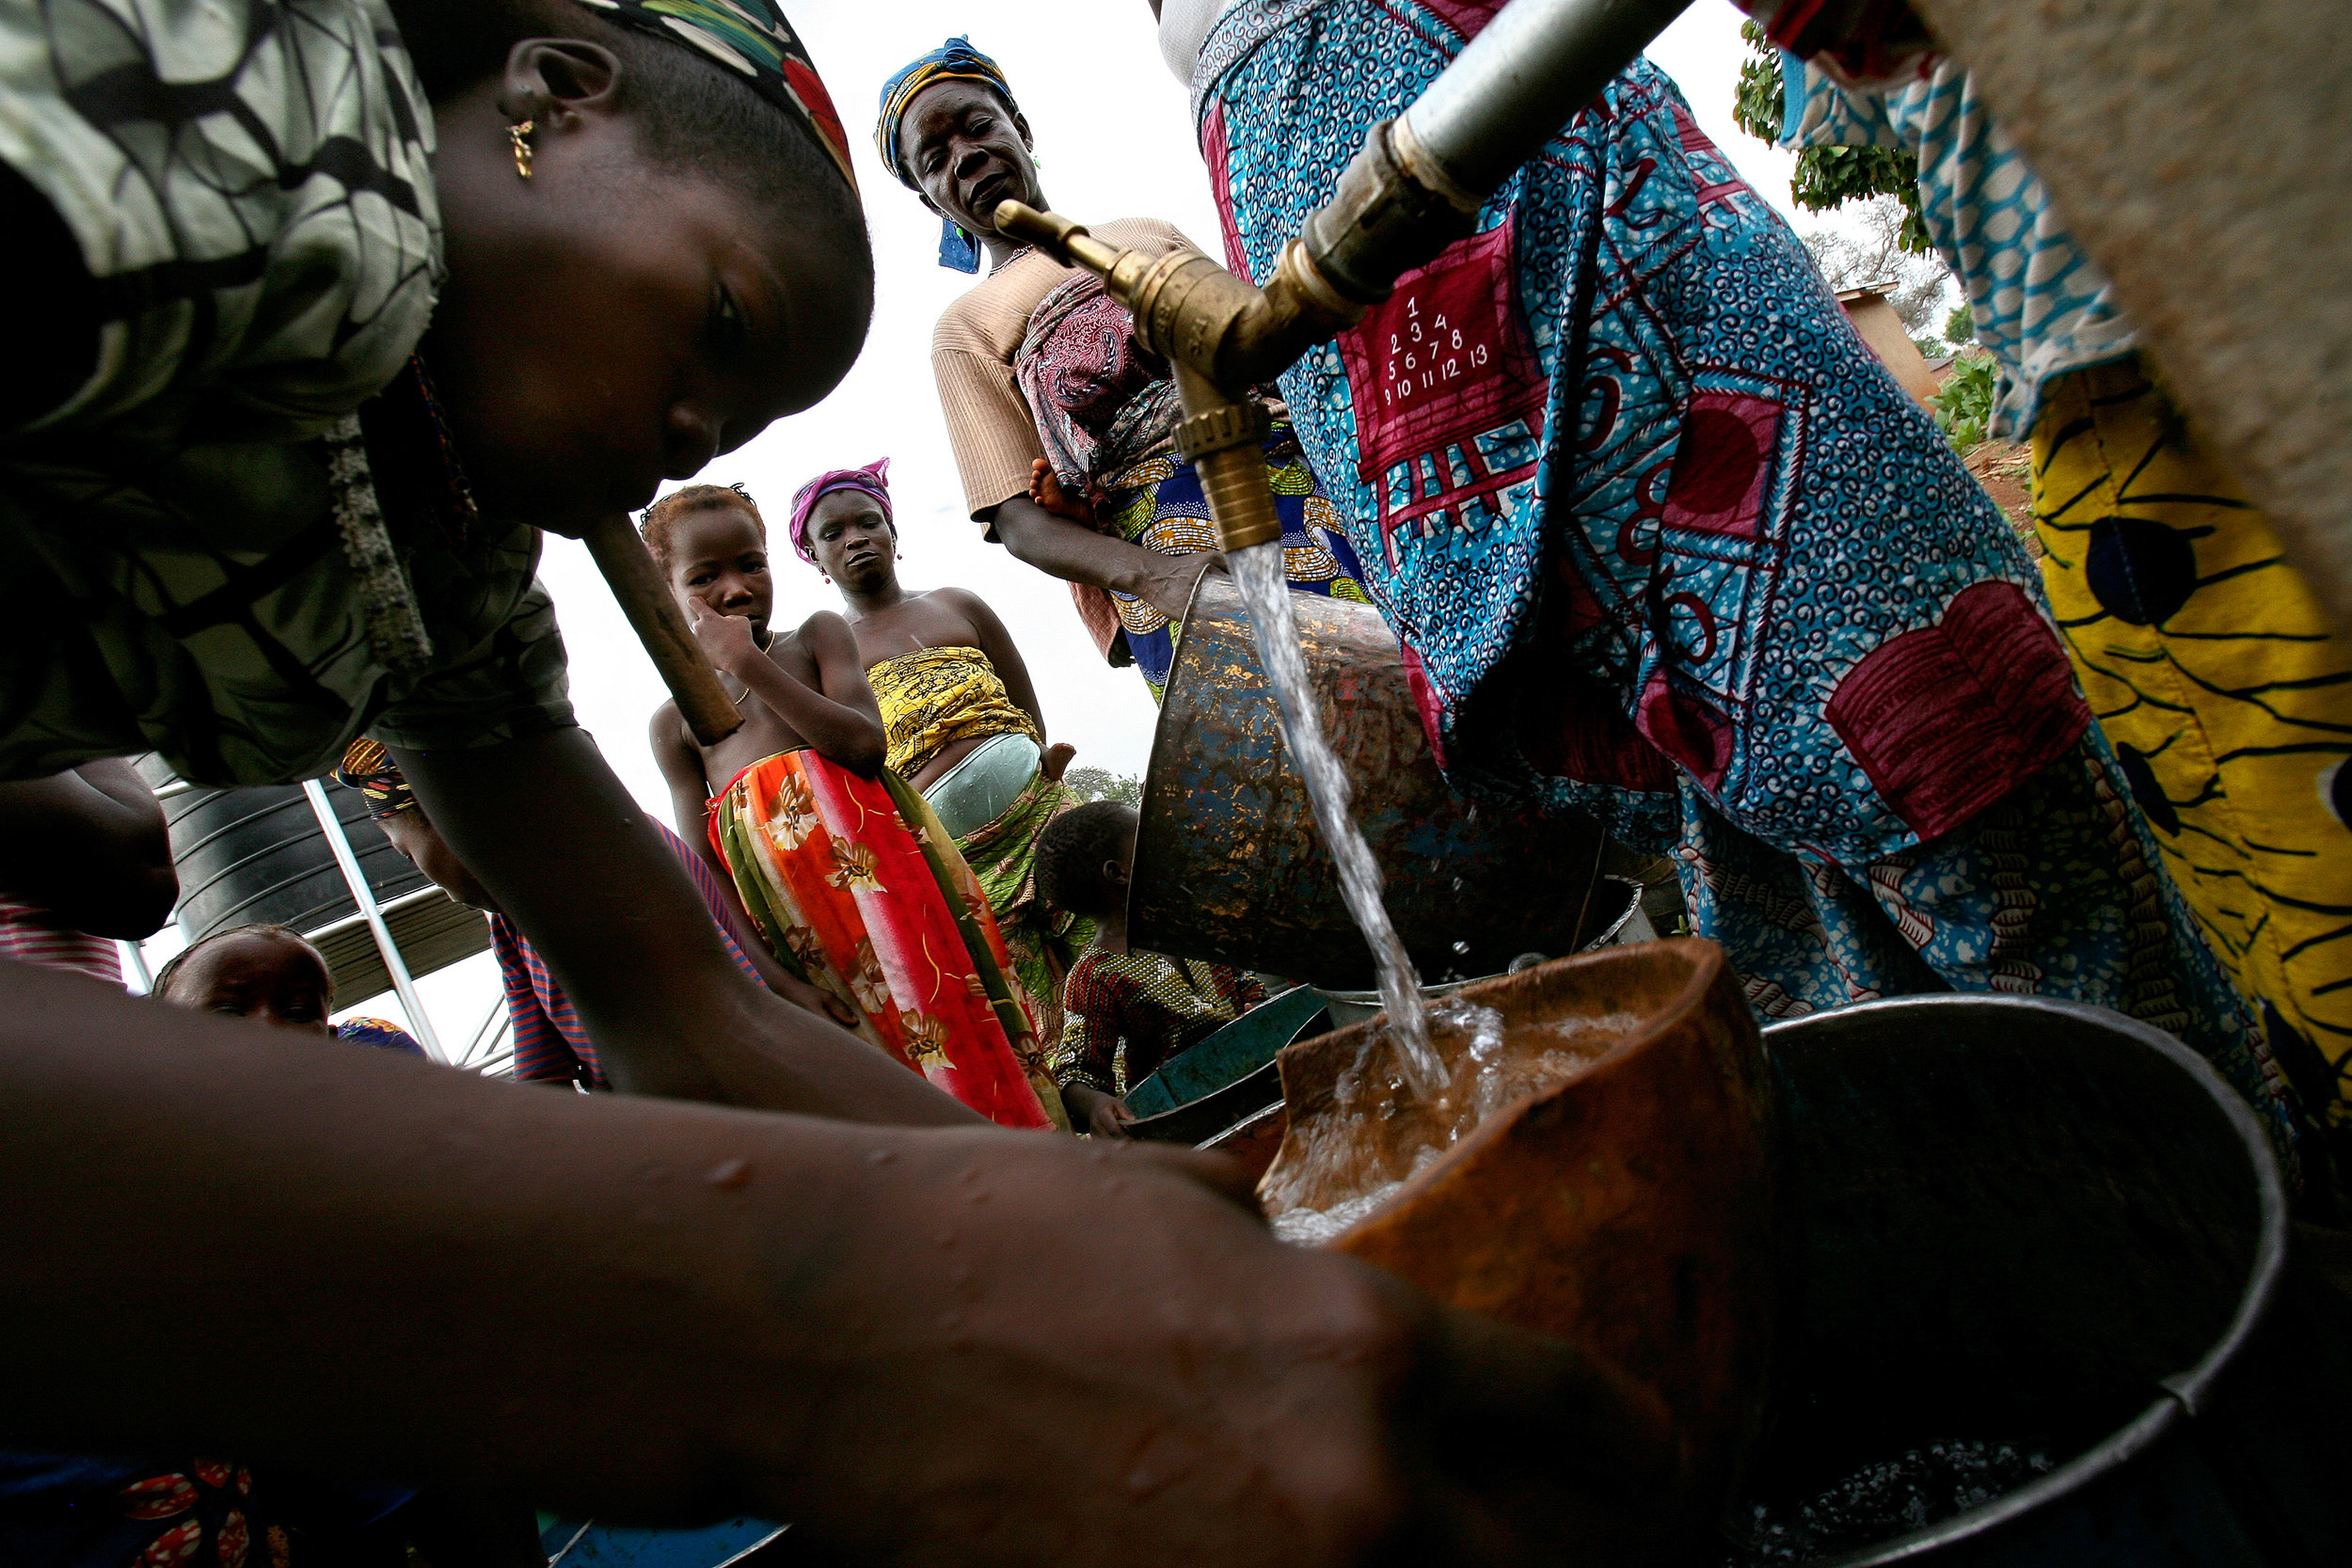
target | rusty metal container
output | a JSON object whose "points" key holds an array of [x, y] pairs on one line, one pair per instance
{"points": [[1230, 866], [1627, 1210]]}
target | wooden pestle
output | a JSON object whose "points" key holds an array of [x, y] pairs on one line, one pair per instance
{"points": [[629, 569]]}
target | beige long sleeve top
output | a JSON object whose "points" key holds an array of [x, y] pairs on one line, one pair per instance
{"points": [[989, 423]]}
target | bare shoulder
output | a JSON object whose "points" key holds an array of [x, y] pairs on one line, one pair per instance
{"points": [[825, 635], [965, 605], [666, 728], [1153, 236], [825, 624]]}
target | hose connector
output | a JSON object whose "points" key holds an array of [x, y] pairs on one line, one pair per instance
{"points": [[1225, 443]]}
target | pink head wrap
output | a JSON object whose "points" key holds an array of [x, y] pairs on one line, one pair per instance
{"points": [[872, 480]]}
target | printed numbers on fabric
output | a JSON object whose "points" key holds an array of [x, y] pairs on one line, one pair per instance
{"points": [[1448, 394]]}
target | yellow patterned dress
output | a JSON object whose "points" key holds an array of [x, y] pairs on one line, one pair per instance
{"points": [[930, 700], [2214, 670]]}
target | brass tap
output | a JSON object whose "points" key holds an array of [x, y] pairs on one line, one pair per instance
{"points": [[1394, 210]]}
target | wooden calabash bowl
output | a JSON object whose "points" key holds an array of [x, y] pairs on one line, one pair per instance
{"points": [[1627, 1210]]}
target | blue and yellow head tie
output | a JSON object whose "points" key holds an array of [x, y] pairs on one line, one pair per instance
{"points": [[752, 39], [954, 61]]}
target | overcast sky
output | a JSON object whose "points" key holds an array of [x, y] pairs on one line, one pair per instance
{"points": [[1114, 138]]}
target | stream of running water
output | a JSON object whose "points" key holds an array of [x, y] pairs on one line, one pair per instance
{"points": [[1258, 572]]}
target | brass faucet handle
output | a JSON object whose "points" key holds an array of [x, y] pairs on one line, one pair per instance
{"points": [[1049, 231], [1070, 243]]}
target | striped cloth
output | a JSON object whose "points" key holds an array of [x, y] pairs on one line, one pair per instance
{"points": [[32, 935], [550, 1045]]}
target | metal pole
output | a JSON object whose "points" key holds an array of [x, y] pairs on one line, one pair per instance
{"points": [[331, 829], [135, 958], [1523, 77], [485, 1037]]}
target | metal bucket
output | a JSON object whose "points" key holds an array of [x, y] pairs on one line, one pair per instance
{"points": [[1230, 864], [2023, 1221]]}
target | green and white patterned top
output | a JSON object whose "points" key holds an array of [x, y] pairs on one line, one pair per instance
{"points": [[242, 541]]}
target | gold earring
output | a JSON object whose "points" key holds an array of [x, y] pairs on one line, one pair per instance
{"points": [[522, 137]]}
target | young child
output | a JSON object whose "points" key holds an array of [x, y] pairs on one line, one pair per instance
{"points": [[551, 1045], [271, 975], [1156, 1005], [848, 875]]}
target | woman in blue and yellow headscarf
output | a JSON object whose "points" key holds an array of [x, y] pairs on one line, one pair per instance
{"points": [[1063, 425]]}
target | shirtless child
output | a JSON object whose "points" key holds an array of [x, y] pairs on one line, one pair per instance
{"points": [[846, 873]]}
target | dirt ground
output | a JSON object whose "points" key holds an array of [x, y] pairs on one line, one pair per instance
{"points": [[2005, 469]]}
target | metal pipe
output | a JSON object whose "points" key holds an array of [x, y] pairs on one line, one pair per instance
{"points": [[654, 614], [1414, 189], [331, 829], [1522, 78]]}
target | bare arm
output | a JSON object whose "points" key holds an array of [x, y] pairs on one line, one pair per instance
{"points": [[763, 1306], [1061, 549], [611, 911], [681, 768], [90, 846], [836, 715], [841, 675]]}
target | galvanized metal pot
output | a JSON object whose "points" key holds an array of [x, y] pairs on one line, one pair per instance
{"points": [[1230, 866], [2022, 1221]]}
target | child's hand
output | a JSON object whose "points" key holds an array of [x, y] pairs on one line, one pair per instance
{"points": [[726, 640], [822, 1002], [1046, 490], [1109, 1118]]}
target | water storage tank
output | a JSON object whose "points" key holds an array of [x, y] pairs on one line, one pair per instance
{"points": [[256, 856]]}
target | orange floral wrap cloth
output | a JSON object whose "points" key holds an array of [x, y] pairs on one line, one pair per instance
{"points": [[854, 883]]}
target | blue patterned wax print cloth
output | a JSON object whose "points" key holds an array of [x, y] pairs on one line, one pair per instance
{"points": [[1640, 500], [1664, 541], [2038, 303]]}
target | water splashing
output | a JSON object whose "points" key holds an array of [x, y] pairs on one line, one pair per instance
{"points": [[1258, 572]]}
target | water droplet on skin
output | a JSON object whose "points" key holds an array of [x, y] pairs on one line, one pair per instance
{"points": [[730, 1176], [1462, 949], [880, 1156]]}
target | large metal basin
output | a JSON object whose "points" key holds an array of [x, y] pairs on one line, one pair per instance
{"points": [[1230, 866], [2021, 1221]]}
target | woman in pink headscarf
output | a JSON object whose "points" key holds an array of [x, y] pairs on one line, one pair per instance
{"points": [[961, 717], [849, 877]]}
